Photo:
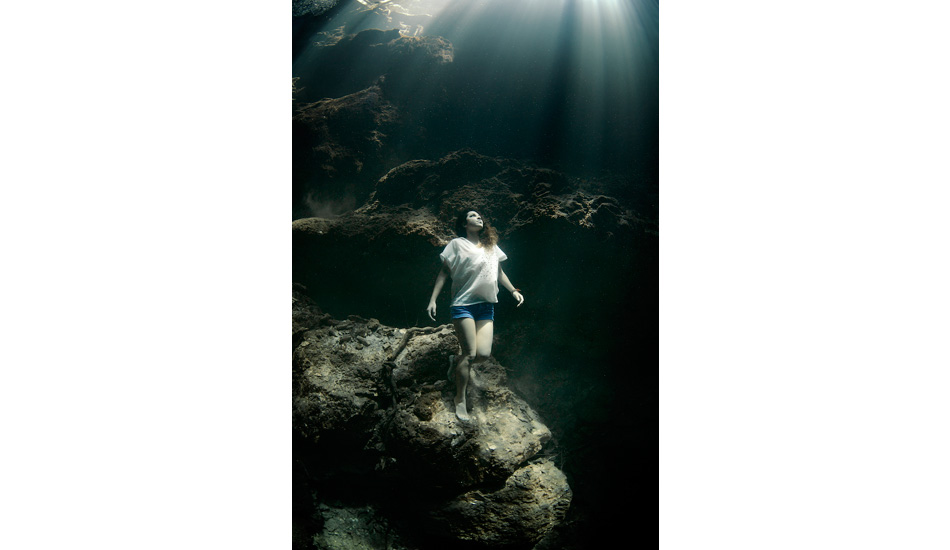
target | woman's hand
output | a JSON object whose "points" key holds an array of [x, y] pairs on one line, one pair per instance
{"points": [[516, 294], [431, 310]]}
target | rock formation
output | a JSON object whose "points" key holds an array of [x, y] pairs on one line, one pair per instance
{"points": [[335, 138], [357, 102], [312, 7], [373, 410], [354, 62]]}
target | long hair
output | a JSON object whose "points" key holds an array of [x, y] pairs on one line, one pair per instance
{"points": [[487, 236]]}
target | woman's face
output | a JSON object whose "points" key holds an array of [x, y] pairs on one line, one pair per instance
{"points": [[473, 221]]}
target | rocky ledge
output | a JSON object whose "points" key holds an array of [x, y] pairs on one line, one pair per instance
{"points": [[373, 413]]}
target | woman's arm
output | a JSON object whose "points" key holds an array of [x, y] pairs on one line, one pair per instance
{"points": [[439, 281], [503, 279]]}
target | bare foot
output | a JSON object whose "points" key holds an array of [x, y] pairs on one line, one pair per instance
{"points": [[462, 412]]}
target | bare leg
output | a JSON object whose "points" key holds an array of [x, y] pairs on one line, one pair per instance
{"points": [[484, 332], [465, 331], [462, 375], [475, 338]]}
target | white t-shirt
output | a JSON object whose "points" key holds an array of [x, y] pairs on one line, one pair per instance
{"points": [[474, 271]]}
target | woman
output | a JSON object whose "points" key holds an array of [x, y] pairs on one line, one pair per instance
{"points": [[473, 261]]}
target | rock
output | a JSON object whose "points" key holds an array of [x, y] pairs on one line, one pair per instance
{"points": [[511, 193], [306, 314], [356, 61], [390, 261], [355, 528], [427, 439], [357, 107], [312, 7], [344, 127], [532, 502], [335, 139], [375, 413]]}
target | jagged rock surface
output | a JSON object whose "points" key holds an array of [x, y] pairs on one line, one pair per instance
{"points": [[533, 499], [334, 139], [354, 528], [356, 111], [355, 62], [312, 7], [373, 402]]}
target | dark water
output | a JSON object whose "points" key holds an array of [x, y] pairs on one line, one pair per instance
{"points": [[569, 85]]}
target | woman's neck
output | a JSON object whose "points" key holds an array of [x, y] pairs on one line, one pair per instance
{"points": [[473, 238]]}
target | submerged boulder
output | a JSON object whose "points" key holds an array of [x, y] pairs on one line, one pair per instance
{"points": [[532, 501], [353, 527], [427, 439], [374, 413]]}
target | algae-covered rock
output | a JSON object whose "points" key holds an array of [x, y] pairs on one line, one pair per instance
{"points": [[375, 415], [532, 501], [427, 439], [355, 528]]}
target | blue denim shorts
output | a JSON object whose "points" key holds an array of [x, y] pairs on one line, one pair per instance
{"points": [[482, 311]]}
